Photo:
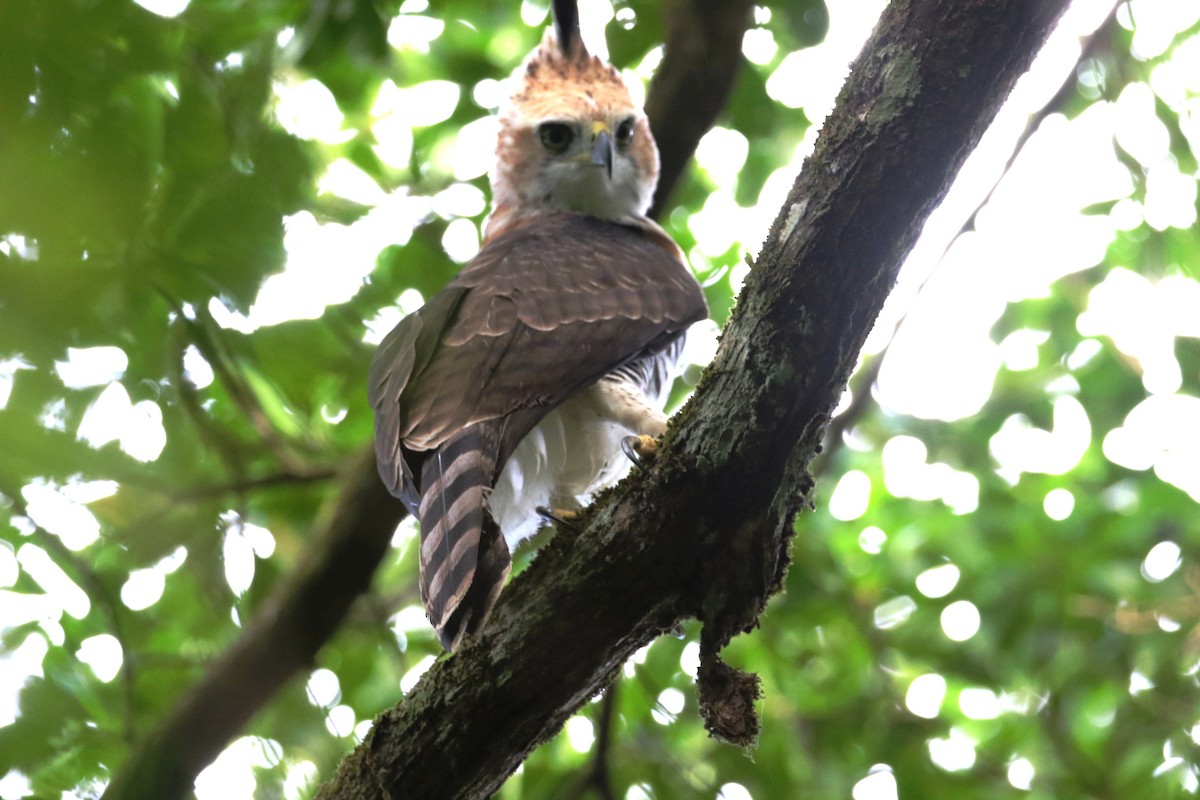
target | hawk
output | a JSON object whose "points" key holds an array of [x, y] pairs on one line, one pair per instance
{"points": [[512, 389]]}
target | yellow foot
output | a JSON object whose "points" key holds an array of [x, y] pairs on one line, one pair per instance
{"points": [[639, 448], [560, 515]]}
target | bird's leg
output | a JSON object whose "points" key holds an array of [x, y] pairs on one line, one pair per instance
{"points": [[626, 404], [562, 516]]}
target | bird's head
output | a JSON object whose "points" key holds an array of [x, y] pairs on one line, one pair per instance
{"points": [[571, 138]]}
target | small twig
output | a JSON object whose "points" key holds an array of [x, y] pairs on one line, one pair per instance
{"points": [[190, 402], [240, 486], [599, 778], [202, 330], [860, 401], [374, 609], [1052, 106], [865, 379], [596, 781]]}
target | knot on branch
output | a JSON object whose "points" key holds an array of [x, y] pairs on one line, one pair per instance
{"points": [[727, 698], [740, 577]]}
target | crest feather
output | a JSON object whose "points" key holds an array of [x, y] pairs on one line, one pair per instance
{"points": [[566, 27]]}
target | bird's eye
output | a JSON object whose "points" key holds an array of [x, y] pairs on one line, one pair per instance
{"points": [[556, 136], [625, 132]]}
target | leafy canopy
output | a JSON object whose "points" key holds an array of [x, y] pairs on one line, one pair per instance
{"points": [[210, 213]]}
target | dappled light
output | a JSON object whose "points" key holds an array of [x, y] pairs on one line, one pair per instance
{"points": [[91, 366], [1161, 433], [461, 240], [307, 109], [61, 594], [1058, 504], [1021, 773], [872, 539], [978, 703], [1161, 562], [960, 620], [938, 581], [1020, 447], [668, 706], [165, 8], [233, 774], [879, 784], [62, 510], [581, 734], [227, 207], [954, 753], [410, 678], [906, 474], [894, 612], [734, 791], [114, 417], [340, 721], [145, 587], [925, 695], [103, 654], [328, 262], [851, 496]]}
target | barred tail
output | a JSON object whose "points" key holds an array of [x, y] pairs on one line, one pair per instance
{"points": [[464, 559]]}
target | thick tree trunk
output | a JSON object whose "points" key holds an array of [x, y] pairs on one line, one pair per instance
{"points": [[703, 531]]}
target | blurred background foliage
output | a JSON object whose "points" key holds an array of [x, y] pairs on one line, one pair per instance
{"points": [[211, 211]]}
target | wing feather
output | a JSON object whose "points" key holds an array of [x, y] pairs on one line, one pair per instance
{"points": [[540, 313], [406, 351]]}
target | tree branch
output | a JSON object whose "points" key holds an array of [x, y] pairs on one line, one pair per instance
{"points": [[702, 56], [282, 638], [596, 778], [704, 530]]}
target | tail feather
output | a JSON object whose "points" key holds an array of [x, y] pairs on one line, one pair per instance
{"points": [[491, 571], [464, 560]]}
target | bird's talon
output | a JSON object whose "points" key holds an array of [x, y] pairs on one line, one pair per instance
{"points": [[561, 516], [639, 448]]}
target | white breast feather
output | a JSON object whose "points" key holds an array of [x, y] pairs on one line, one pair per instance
{"points": [[573, 453]]}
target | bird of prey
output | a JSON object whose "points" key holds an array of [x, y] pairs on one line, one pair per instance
{"points": [[512, 389]]}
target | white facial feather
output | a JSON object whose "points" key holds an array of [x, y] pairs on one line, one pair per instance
{"points": [[576, 184]]}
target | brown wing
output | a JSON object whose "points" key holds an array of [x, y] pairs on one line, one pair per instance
{"points": [[407, 349], [539, 314]]}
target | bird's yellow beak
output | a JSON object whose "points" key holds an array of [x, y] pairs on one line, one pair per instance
{"points": [[604, 148]]}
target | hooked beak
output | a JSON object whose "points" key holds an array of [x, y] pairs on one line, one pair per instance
{"points": [[604, 149]]}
